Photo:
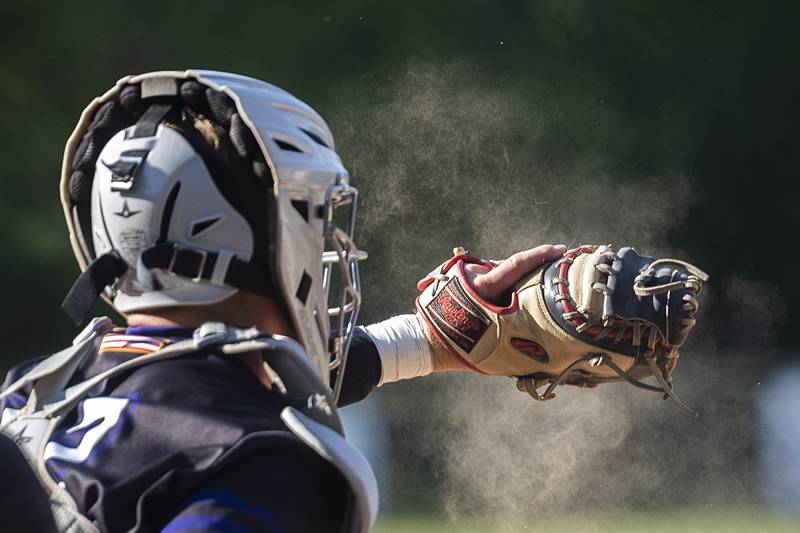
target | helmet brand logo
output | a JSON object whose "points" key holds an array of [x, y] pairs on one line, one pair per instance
{"points": [[126, 211]]}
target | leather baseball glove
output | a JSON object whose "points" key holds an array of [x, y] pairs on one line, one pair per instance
{"points": [[596, 315]]}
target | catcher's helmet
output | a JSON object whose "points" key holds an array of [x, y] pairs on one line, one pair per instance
{"points": [[180, 188]]}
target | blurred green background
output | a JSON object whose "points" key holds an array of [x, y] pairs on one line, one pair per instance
{"points": [[496, 125]]}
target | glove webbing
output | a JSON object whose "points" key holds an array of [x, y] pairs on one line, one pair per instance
{"points": [[528, 383]]}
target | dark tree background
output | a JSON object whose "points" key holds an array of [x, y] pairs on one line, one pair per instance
{"points": [[708, 90]]}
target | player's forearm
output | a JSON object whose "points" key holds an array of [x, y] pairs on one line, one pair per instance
{"points": [[388, 351], [405, 349], [363, 372]]}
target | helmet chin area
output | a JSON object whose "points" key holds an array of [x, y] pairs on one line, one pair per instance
{"points": [[340, 279]]}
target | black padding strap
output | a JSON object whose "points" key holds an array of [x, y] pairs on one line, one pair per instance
{"points": [[98, 275], [199, 265], [147, 125]]}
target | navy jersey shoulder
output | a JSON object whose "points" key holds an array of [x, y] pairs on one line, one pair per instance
{"points": [[142, 444], [195, 442]]}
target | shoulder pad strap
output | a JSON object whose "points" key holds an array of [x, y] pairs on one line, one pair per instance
{"points": [[294, 376], [209, 335], [61, 365]]}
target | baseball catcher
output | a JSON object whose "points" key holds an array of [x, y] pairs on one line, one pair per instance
{"points": [[203, 207]]}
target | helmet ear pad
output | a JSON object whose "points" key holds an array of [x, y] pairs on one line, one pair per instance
{"points": [[208, 120]]}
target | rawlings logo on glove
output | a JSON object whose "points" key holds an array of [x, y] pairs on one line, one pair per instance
{"points": [[595, 315], [455, 315]]}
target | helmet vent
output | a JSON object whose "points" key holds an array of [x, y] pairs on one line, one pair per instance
{"points": [[316, 138], [283, 145], [169, 206], [301, 206], [201, 225], [304, 288]]}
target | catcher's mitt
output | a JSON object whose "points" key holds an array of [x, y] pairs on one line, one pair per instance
{"points": [[594, 316]]}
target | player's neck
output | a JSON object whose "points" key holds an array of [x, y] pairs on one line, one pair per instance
{"points": [[243, 309]]}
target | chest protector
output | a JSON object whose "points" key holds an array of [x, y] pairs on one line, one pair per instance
{"points": [[309, 413]]}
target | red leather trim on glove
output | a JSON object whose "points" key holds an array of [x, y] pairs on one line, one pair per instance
{"points": [[467, 284], [460, 260]]}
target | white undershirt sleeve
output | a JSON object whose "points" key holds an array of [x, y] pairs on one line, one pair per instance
{"points": [[403, 348]]}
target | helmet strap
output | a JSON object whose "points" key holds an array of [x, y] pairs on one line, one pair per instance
{"points": [[218, 268], [98, 275], [147, 125]]}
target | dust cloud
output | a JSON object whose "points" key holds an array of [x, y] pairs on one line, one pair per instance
{"points": [[446, 155], [760, 311]]}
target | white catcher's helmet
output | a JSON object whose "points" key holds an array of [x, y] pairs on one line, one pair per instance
{"points": [[157, 219]]}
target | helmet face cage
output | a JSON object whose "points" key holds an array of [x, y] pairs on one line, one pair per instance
{"points": [[344, 303]]}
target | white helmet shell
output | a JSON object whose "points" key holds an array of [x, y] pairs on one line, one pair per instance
{"points": [[174, 195], [308, 180]]}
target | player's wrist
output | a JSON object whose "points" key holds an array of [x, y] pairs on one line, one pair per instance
{"points": [[403, 348], [445, 362]]}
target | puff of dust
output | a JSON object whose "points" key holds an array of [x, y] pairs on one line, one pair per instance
{"points": [[759, 312], [444, 157], [511, 459]]}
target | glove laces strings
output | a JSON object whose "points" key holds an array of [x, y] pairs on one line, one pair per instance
{"points": [[530, 384]]}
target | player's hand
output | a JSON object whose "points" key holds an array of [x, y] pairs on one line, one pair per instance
{"points": [[493, 284]]}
